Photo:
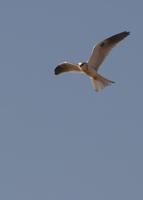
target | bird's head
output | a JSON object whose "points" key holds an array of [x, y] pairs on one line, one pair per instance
{"points": [[83, 64]]}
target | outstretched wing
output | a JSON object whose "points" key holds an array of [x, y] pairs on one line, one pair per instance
{"points": [[102, 49], [66, 67]]}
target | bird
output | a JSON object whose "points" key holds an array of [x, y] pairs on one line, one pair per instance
{"points": [[90, 68]]}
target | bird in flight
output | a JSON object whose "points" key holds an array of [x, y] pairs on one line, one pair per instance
{"points": [[90, 68]]}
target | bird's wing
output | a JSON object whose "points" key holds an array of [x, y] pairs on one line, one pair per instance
{"points": [[101, 50], [66, 67]]}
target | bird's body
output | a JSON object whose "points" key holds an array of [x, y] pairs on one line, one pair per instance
{"points": [[98, 81], [90, 68]]}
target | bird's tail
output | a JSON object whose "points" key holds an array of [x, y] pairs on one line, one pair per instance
{"points": [[99, 82]]}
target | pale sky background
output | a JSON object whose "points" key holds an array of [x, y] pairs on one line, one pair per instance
{"points": [[59, 139]]}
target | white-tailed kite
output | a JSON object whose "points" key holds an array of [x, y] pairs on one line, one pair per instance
{"points": [[90, 68]]}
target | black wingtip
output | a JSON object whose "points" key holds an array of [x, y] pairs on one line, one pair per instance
{"points": [[118, 37], [127, 32], [57, 70], [123, 34]]}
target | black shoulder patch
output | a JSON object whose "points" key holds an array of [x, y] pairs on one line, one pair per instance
{"points": [[102, 44]]}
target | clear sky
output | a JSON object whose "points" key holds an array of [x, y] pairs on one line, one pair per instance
{"points": [[59, 139]]}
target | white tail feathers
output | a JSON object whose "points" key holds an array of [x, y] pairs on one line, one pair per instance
{"points": [[100, 82]]}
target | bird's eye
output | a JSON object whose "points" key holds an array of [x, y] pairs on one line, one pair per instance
{"points": [[81, 64]]}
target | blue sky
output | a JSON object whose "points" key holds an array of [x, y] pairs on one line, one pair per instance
{"points": [[59, 139]]}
